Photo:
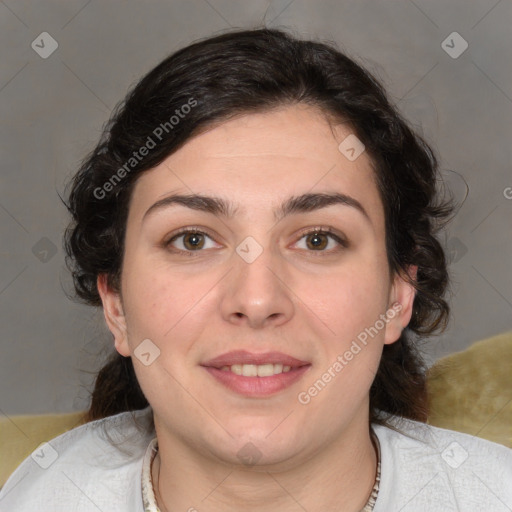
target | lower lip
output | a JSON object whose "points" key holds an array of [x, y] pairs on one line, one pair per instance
{"points": [[257, 386]]}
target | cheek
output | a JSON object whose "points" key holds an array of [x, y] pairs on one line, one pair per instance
{"points": [[158, 302], [166, 309], [348, 299], [350, 306]]}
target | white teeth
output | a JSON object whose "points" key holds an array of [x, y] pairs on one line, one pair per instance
{"points": [[265, 370], [249, 370], [260, 370], [278, 368], [237, 368]]}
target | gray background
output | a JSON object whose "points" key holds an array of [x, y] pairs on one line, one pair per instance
{"points": [[52, 111]]}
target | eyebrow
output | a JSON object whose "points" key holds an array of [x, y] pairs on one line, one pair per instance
{"points": [[296, 204]]}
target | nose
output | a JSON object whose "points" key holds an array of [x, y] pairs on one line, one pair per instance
{"points": [[258, 293]]}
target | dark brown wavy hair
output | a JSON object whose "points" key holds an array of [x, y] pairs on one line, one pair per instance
{"points": [[237, 73]]}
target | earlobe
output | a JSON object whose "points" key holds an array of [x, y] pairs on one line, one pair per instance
{"points": [[114, 315], [401, 302]]}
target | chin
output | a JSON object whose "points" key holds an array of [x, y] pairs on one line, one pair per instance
{"points": [[259, 447], [252, 456]]}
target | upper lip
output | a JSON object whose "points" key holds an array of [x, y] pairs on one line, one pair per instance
{"points": [[245, 357]]}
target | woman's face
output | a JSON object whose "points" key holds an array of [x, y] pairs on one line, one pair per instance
{"points": [[255, 278]]}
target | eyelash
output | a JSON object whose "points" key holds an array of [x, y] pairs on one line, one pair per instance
{"points": [[320, 230]]}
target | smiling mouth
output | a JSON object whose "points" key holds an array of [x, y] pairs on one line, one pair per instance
{"points": [[256, 375], [258, 380]]}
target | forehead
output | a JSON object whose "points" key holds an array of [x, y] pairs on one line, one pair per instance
{"points": [[260, 159]]}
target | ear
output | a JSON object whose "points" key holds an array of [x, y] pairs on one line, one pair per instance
{"points": [[114, 314], [401, 299]]}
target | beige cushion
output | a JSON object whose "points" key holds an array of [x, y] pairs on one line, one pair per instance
{"points": [[471, 391]]}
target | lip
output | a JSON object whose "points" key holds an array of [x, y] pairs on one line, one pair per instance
{"points": [[245, 357], [257, 387]]}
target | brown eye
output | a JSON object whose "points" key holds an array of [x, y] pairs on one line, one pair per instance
{"points": [[317, 241], [190, 240], [193, 241], [322, 241]]}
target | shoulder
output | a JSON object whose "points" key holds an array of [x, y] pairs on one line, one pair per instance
{"points": [[95, 466], [430, 468]]}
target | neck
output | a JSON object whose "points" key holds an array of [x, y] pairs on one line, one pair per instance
{"points": [[339, 477]]}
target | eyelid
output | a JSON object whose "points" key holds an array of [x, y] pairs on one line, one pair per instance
{"points": [[189, 229], [325, 230]]}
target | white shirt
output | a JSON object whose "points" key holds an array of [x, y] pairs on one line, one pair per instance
{"points": [[422, 469]]}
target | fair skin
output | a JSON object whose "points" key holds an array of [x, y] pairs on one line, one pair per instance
{"points": [[308, 302]]}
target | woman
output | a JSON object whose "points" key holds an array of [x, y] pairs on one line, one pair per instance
{"points": [[258, 224]]}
